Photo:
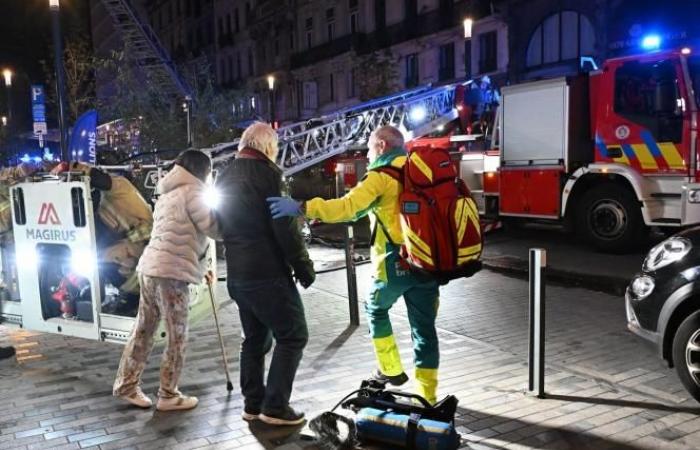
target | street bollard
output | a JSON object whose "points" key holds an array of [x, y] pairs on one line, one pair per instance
{"points": [[538, 265], [349, 241]]}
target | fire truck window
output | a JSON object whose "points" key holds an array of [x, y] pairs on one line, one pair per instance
{"points": [[18, 205], [648, 95], [694, 67]]}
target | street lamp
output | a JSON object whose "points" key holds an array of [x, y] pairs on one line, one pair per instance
{"points": [[7, 74], [468, 23], [271, 87], [60, 76]]}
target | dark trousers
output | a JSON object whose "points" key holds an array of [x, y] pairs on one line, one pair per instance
{"points": [[269, 308]]}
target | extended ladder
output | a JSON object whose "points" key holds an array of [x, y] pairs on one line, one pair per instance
{"points": [[304, 144], [146, 50]]}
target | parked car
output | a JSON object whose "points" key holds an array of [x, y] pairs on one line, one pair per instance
{"points": [[663, 304]]}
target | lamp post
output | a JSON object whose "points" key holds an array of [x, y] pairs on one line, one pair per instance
{"points": [[271, 87], [187, 107], [60, 76], [7, 74]]}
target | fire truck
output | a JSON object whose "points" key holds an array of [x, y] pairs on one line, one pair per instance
{"points": [[610, 153]]}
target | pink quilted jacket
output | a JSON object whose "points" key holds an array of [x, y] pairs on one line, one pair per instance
{"points": [[181, 224]]}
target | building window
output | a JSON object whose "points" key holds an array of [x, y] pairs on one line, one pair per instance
{"points": [[197, 8], [178, 9], [237, 21], [411, 9], [221, 27], [561, 37], [353, 23], [310, 95], [222, 75], [380, 14], [250, 62], [331, 31], [488, 52], [351, 84], [277, 47], [331, 80], [228, 23], [239, 66], [353, 5], [309, 26], [447, 62], [291, 41], [412, 75], [170, 13], [247, 13], [188, 8], [200, 37], [647, 94]]}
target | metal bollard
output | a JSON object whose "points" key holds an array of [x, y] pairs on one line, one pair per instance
{"points": [[538, 265], [353, 305]]}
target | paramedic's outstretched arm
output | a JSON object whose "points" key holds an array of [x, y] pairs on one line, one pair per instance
{"points": [[353, 205]]}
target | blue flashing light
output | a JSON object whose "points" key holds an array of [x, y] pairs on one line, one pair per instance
{"points": [[36, 159], [25, 158], [651, 42]]}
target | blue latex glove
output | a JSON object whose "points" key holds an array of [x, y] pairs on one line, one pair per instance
{"points": [[284, 207]]}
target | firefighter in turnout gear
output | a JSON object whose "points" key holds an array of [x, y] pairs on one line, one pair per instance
{"points": [[377, 195], [124, 225]]}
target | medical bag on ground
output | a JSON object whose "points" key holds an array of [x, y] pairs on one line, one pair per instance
{"points": [[439, 218], [395, 418]]}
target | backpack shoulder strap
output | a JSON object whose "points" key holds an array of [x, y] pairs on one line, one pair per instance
{"points": [[394, 172]]}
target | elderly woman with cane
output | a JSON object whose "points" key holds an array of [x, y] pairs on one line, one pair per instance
{"points": [[174, 258]]}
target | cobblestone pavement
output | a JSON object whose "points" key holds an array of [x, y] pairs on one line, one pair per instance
{"points": [[605, 389]]}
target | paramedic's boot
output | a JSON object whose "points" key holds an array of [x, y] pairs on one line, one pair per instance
{"points": [[285, 416], [396, 380], [7, 352], [177, 403], [138, 398]]}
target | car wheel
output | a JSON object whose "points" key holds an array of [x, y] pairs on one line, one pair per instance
{"points": [[686, 354], [610, 218]]}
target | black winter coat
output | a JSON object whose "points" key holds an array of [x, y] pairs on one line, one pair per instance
{"points": [[258, 247]]}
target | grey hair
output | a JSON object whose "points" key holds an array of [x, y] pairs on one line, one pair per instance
{"points": [[261, 137], [391, 135]]}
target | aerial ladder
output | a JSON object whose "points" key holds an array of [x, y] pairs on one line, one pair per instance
{"points": [[415, 112], [146, 50]]}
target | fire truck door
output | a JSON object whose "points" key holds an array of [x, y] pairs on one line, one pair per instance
{"points": [[56, 256]]}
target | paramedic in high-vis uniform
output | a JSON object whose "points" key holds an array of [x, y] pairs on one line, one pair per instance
{"points": [[378, 196]]}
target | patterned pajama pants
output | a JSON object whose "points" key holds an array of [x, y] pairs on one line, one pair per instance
{"points": [[160, 298]]}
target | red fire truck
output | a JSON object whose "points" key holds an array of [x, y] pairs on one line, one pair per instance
{"points": [[610, 153]]}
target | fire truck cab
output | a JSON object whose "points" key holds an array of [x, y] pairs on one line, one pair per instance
{"points": [[610, 153], [51, 276]]}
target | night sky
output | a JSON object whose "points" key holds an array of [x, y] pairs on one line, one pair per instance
{"points": [[26, 40]]}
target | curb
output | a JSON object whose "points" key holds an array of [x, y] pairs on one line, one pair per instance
{"points": [[518, 267]]}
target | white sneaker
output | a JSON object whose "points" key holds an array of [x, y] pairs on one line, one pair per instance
{"points": [[177, 403], [138, 398]]}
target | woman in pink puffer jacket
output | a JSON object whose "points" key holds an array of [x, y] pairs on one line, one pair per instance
{"points": [[174, 258]]}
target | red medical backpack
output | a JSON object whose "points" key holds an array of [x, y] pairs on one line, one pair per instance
{"points": [[439, 218]]}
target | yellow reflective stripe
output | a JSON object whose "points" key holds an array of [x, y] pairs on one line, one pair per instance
{"points": [[462, 221], [426, 383], [671, 155], [464, 259], [388, 357], [646, 159], [469, 251], [474, 216], [417, 240], [422, 166], [415, 251]]}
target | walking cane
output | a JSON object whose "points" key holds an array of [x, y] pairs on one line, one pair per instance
{"points": [[229, 385]]}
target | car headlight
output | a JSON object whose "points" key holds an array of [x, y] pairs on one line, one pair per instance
{"points": [[669, 251], [642, 286], [694, 196]]}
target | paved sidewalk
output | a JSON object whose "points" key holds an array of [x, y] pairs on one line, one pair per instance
{"points": [[606, 390]]}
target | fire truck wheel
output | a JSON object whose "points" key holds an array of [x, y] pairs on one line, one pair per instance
{"points": [[609, 217]]}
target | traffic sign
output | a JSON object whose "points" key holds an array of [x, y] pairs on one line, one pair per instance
{"points": [[39, 109], [151, 180]]}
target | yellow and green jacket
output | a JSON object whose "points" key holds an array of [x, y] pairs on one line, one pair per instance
{"points": [[377, 195]]}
